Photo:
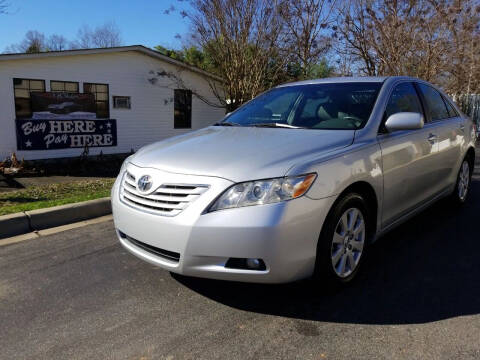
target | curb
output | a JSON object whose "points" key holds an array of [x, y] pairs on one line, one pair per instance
{"points": [[28, 221], [14, 224]]}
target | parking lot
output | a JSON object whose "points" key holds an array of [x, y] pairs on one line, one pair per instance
{"points": [[78, 294]]}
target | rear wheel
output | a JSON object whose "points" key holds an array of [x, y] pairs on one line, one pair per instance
{"points": [[462, 187], [343, 242]]}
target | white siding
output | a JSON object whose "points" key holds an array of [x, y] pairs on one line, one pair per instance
{"points": [[149, 119]]}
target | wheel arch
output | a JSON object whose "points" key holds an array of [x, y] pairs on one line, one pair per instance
{"points": [[470, 155], [367, 191]]}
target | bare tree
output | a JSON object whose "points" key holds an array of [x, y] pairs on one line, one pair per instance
{"points": [[57, 43], [461, 73], [354, 36], [243, 39], [104, 36], [385, 35], [253, 44], [33, 42], [84, 38], [174, 80], [437, 40], [307, 23]]}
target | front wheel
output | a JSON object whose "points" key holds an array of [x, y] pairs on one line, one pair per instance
{"points": [[343, 242]]}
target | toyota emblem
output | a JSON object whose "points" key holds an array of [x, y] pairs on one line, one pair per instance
{"points": [[144, 183]]}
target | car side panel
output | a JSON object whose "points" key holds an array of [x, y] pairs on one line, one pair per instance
{"points": [[451, 140], [360, 162], [409, 168]]}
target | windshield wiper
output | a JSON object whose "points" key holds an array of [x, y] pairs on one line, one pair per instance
{"points": [[277, 125], [226, 123]]}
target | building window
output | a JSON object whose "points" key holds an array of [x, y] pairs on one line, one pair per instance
{"points": [[182, 109], [100, 92], [64, 86], [22, 89], [121, 102]]}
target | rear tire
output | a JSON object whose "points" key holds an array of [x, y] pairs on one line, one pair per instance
{"points": [[343, 242], [462, 186]]}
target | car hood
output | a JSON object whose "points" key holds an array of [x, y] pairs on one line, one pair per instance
{"points": [[240, 153]]}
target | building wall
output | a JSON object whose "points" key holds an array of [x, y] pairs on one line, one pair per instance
{"points": [[151, 115]]}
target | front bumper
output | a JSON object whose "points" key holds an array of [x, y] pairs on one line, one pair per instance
{"points": [[284, 235]]}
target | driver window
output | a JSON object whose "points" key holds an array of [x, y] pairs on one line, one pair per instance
{"points": [[404, 98]]}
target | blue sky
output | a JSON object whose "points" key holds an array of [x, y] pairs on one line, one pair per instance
{"points": [[140, 21]]}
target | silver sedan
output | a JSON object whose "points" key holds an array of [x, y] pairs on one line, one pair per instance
{"points": [[297, 182]]}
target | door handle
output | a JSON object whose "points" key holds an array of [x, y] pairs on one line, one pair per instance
{"points": [[432, 138]]}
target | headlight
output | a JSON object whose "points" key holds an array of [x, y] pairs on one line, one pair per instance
{"points": [[263, 192]]}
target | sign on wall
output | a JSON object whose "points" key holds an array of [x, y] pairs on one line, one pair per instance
{"points": [[62, 120], [62, 105], [63, 134]]}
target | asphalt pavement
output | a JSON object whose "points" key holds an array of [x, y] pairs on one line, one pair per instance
{"points": [[78, 295]]}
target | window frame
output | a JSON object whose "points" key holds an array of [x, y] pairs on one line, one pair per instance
{"points": [[95, 96], [115, 97], [427, 115], [190, 97], [64, 82], [449, 104], [381, 129], [29, 97]]}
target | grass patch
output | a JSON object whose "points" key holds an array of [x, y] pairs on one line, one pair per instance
{"points": [[37, 197]]}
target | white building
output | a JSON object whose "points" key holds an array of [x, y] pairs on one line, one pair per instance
{"points": [[139, 96]]}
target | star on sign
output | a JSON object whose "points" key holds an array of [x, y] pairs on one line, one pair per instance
{"points": [[28, 143], [101, 127], [109, 125]]}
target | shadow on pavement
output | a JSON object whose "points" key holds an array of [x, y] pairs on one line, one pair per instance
{"points": [[425, 270]]}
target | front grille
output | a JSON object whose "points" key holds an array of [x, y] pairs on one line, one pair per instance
{"points": [[166, 200], [168, 255]]}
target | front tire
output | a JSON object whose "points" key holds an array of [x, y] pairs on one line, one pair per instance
{"points": [[343, 241]]}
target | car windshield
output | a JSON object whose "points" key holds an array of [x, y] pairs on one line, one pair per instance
{"points": [[342, 106]]}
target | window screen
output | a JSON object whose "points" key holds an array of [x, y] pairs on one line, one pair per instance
{"points": [[22, 89], [100, 91], [435, 104], [182, 109], [121, 102], [64, 86]]}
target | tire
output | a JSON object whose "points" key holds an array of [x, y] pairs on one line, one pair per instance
{"points": [[462, 186], [339, 254]]}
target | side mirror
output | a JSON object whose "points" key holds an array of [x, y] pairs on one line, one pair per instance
{"points": [[404, 121]]}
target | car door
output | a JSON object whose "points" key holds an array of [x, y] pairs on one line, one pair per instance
{"points": [[450, 128], [408, 157]]}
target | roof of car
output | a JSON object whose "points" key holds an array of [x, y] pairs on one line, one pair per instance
{"points": [[345, 80]]}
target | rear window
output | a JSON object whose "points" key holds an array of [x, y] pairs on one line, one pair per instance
{"points": [[451, 110], [435, 105]]}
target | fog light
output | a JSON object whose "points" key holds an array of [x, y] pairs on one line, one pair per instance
{"points": [[253, 263], [246, 264]]}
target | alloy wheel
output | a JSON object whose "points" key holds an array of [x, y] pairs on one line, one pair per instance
{"points": [[348, 242], [463, 180]]}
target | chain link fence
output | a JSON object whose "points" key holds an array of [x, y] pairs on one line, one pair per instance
{"points": [[470, 105]]}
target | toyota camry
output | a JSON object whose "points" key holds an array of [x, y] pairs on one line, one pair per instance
{"points": [[297, 182]]}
